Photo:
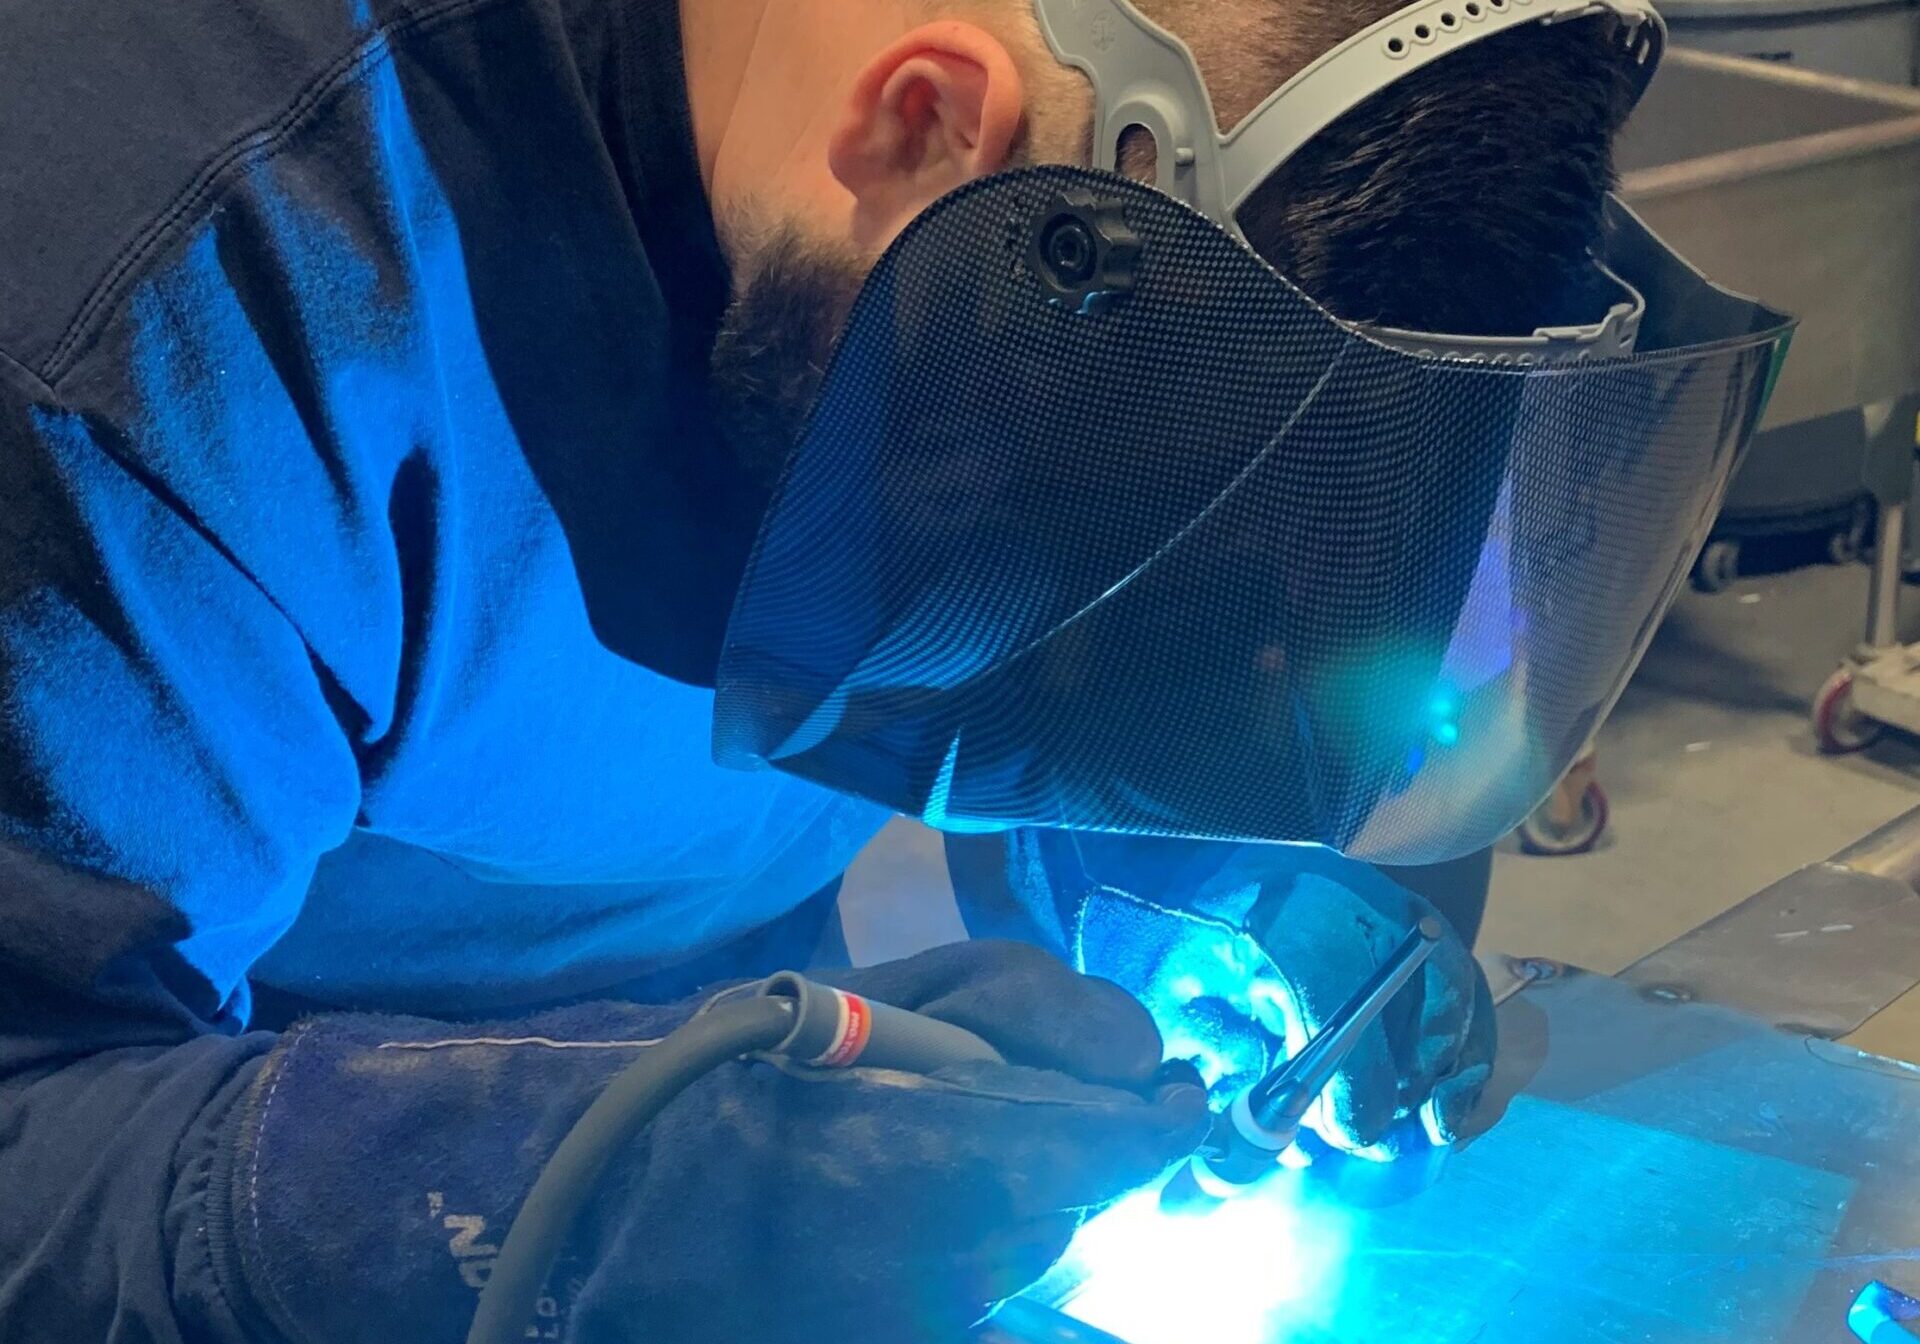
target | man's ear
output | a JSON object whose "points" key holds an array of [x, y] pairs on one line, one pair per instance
{"points": [[937, 109]]}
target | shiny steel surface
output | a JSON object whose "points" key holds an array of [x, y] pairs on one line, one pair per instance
{"points": [[1883, 616], [1892, 851], [1666, 1172], [1819, 952]]}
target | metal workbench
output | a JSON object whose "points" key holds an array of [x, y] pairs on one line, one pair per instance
{"points": [[1667, 1170]]}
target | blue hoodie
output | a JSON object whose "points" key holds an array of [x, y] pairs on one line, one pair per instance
{"points": [[350, 356]]}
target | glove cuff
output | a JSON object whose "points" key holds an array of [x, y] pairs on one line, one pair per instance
{"points": [[226, 1204], [367, 1179]]}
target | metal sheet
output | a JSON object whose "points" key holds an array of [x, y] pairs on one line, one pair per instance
{"points": [[1819, 952], [1667, 1172]]}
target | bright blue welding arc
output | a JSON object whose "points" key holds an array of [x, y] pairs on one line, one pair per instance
{"points": [[1266, 1266]]}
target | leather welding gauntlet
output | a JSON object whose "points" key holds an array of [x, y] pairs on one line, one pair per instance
{"points": [[1242, 953], [379, 1163], [1265, 951]]}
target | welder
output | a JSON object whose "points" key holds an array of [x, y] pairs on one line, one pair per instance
{"points": [[442, 440]]}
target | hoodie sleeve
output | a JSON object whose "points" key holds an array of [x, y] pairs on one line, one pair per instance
{"points": [[171, 767]]}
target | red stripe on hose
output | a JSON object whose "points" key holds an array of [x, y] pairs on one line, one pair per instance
{"points": [[856, 1029]]}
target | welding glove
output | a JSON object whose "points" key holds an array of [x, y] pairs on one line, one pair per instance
{"points": [[1417, 1075], [379, 1161], [1242, 952]]}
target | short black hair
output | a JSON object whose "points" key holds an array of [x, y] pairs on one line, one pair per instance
{"points": [[1463, 199]]}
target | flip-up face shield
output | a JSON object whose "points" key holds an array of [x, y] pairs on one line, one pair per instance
{"points": [[1101, 522]]}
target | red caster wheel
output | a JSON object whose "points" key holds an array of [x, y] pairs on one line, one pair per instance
{"points": [[1841, 728], [1543, 835], [1573, 819]]}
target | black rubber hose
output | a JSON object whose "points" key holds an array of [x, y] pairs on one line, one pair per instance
{"points": [[631, 1101]]}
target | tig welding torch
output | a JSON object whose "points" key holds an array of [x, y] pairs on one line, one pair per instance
{"points": [[1250, 1136]]}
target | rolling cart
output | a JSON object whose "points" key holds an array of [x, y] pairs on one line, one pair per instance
{"points": [[1804, 188], [1802, 480], [1879, 687]]}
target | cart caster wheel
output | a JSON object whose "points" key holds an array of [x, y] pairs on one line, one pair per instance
{"points": [[1541, 834], [1849, 545], [1718, 568], [1840, 728]]}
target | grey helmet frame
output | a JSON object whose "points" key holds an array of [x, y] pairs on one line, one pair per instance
{"points": [[1144, 76]]}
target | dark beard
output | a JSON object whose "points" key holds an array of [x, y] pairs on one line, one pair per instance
{"points": [[775, 341]]}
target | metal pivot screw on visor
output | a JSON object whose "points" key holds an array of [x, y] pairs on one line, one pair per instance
{"points": [[1083, 252]]}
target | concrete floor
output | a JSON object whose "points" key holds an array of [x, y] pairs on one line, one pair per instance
{"points": [[1716, 786]]}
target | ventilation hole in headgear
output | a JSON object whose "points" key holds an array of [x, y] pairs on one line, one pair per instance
{"points": [[1137, 154]]}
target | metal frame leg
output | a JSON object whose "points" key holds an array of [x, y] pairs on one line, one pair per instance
{"points": [[1883, 614]]}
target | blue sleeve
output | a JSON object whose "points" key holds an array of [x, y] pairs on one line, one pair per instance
{"points": [[171, 767]]}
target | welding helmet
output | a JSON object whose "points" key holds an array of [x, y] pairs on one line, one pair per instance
{"points": [[1101, 522]]}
